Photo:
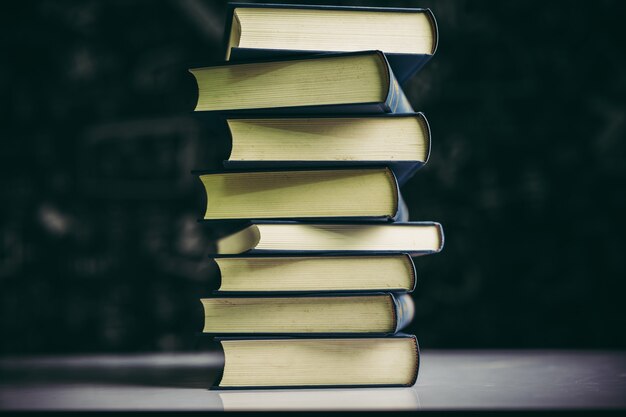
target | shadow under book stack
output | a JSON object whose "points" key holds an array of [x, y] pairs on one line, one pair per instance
{"points": [[315, 284]]}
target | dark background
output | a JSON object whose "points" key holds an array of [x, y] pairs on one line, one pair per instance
{"points": [[99, 245]]}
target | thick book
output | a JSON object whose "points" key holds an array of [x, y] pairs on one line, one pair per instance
{"points": [[399, 141], [328, 83], [408, 36], [284, 237], [338, 194], [298, 274], [292, 362], [309, 314]]}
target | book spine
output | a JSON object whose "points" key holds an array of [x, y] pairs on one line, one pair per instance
{"points": [[402, 215], [398, 102], [405, 66], [405, 310], [433, 21], [413, 271]]}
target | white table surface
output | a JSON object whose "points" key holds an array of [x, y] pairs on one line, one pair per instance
{"points": [[448, 380]]}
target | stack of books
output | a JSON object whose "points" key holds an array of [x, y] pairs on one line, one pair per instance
{"points": [[316, 264]]}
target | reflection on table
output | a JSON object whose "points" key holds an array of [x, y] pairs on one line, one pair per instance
{"points": [[449, 380]]}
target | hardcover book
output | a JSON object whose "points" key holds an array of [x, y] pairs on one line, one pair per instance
{"points": [[297, 274], [319, 362], [408, 36], [374, 313], [364, 193], [284, 237], [329, 83], [399, 141]]}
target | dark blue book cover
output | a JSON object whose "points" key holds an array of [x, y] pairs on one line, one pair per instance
{"points": [[404, 65]]}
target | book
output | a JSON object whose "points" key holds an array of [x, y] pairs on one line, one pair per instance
{"points": [[400, 141], [284, 237], [319, 362], [375, 313], [302, 194], [330, 83], [277, 274], [408, 36]]}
